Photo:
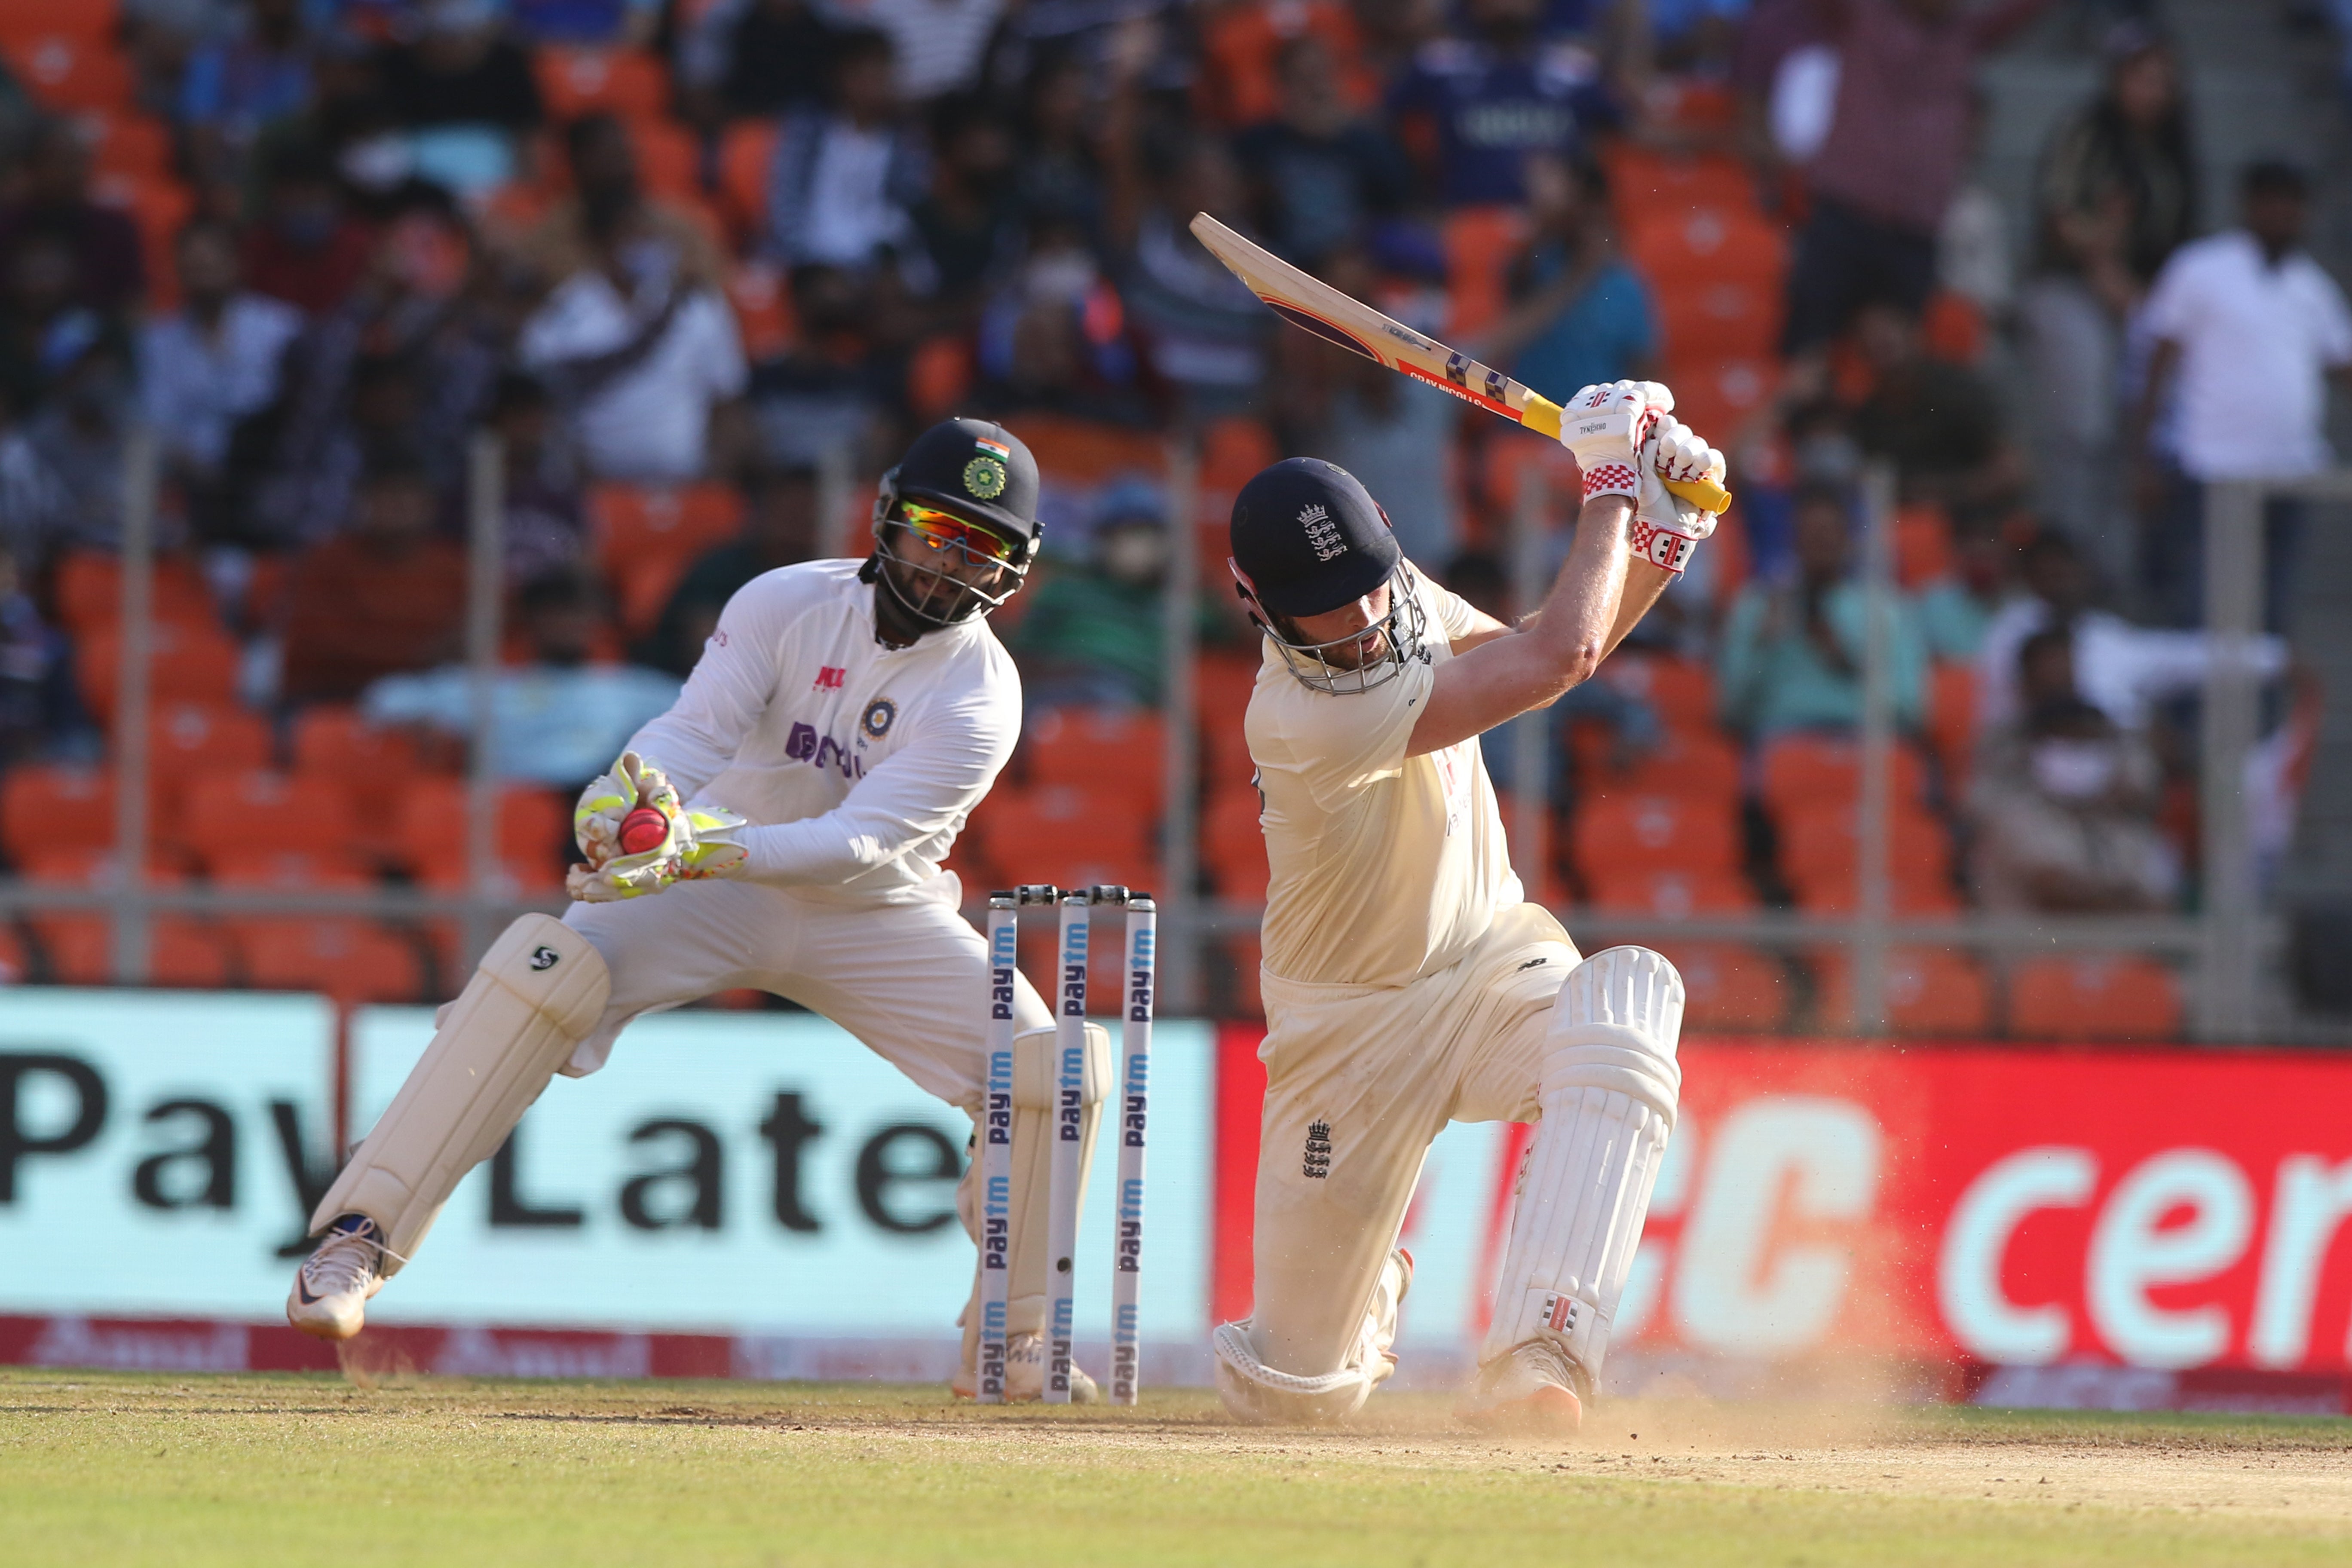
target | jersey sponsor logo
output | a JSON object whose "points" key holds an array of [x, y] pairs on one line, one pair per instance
{"points": [[879, 715], [829, 678], [803, 744], [1317, 1166]]}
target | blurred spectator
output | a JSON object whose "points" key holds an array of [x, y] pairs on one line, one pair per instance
{"points": [[1058, 169], [386, 594], [2244, 319], [1792, 651], [1956, 610], [1054, 339], [546, 525], [216, 359], [1480, 104], [1784, 75], [2064, 804], [1318, 171], [556, 718], [780, 529], [464, 90], [256, 74], [42, 325], [305, 247], [33, 504], [1204, 333], [608, 208], [968, 225], [937, 46], [1392, 432], [36, 699], [52, 200], [337, 428], [823, 398], [1578, 315], [844, 178], [78, 435], [637, 341], [776, 57], [1896, 147], [1093, 635], [1937, 422], [2115, 195], [1973, 262], [2122, 670], [1695, 37], [623, 22]]}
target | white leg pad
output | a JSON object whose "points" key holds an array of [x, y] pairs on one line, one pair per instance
{"points": [[1256, 1392], [1035, 1100], [1610, 1088], [540, 991]]}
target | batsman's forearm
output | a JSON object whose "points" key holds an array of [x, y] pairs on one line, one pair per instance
{"points": [[1645, 583], [1582, 609]]}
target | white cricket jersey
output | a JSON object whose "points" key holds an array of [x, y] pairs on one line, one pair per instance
{"points": [[857, 763], [1386, 867]]}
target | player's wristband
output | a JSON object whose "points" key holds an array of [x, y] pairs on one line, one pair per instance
{"points": [[1661, 547]]}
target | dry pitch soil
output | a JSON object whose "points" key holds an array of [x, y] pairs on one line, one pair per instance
{"points": [[109, 1468]]}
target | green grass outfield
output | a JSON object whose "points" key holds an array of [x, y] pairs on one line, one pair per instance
{"points": [[101, 1468]]}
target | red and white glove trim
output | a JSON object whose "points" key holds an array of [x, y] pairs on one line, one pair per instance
{"points": [[1661, 547]]}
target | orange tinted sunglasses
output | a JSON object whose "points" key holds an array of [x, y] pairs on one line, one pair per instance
{"points": [[941, 528]]}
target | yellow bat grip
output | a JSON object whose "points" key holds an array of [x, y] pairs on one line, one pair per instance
{"points": [[1541, 415]]}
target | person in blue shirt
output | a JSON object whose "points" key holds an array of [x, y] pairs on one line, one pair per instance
{"points": [[1480, 105], [1580, 316]]}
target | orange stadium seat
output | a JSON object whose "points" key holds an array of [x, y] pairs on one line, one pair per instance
{"points": [[1930, 991], [1087, 452], [1804, 770], [1692, 763], [1099, 749], [46, 807], [1718, 396], [746, 149], [127, 146], [1232, 449], [939, 374], [580, 81], [290, 868], [93, 19], [189, 740], [1479, 244], [372, 761], [65, 70], [1618, 834], [1017, 827], [534, 833], [181, 949], [763, 308], [258, 810], [349, 960], [1233, 846], [1698, 245], [1644, 179], [1720, 318], [646, 536], [1913, 894], [1672, 893], [1681, 689], [1735, 989], [90, 591], [2093, 998], [1506, 459], [15, 957], [1820, 840], [670, 160], [1952, 718], [1923, 546]]}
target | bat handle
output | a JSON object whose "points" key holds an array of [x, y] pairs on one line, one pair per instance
{"points": [[1541, 415]]}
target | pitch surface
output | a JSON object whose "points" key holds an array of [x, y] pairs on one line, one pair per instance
{"points": [[99, 1468]]}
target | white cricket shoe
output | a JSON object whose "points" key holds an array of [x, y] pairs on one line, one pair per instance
{"points": [[1534, 1391], [1024, 1374], [332, 1289]]}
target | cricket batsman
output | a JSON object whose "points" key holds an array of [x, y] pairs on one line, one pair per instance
{"points": [[783, 827], [1407, 981]]}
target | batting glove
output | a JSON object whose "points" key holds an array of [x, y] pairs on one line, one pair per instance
{"points": [[1666, 528], [1605, 428]]}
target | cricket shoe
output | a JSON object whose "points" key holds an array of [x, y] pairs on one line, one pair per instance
{"points": [[1024, 1374], [332, 1289], [1537, 1391]]}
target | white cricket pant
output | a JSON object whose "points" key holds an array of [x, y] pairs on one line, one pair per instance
{"points": [[907, 979], [1359, 1081]]}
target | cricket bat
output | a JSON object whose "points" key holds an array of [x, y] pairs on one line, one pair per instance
{"points": [[1316, 307]]}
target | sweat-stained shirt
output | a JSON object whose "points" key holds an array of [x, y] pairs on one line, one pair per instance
{"points": [[1385, 868], [857, 763]]}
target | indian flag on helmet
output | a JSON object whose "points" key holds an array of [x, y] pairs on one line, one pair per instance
{"points": [[1004, 452]]}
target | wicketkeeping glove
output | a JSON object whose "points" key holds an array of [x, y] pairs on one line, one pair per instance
{"points": [[1605, 427], [1666, 528], [701, 841]]}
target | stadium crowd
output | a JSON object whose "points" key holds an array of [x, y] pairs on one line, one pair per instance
{"points": [[704, 266]]}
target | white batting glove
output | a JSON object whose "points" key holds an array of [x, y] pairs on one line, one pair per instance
{"points": [[1667, 529], [1605, 427]]}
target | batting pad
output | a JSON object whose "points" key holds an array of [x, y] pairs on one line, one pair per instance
{"points": [[1033, 1098], [540, 991], [1610, 1084]]}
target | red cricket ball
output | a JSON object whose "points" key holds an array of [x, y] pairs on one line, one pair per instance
{"points": [[643, 829]]}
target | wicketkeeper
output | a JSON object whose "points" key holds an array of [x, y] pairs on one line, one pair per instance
{"points": [[843, 722], [1407, 981]]}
